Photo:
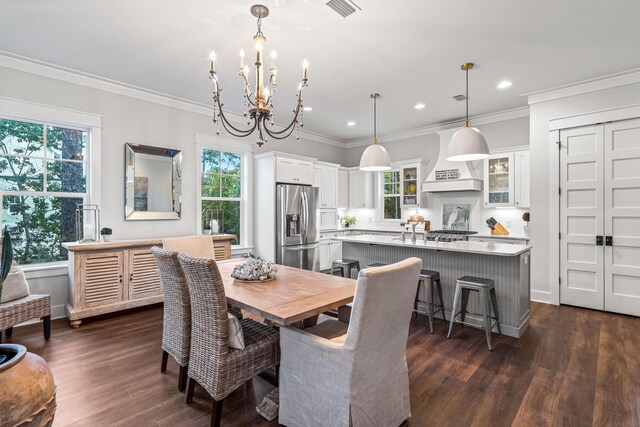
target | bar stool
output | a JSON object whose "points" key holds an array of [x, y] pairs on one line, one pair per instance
{"points": [[376, 264], [429, 278], [486, 290], [345, 265]]}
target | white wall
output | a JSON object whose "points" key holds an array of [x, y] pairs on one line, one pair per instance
{"points": [[128, 119], [544, 287], [500, 135]]}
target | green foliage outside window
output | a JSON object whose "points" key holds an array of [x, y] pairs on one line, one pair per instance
{"points": [[50, 162], [222, 190], [391, 195]]}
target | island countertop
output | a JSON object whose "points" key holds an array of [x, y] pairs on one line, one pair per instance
{"points": [[483, 248]]}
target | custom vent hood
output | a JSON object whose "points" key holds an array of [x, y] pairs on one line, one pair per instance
{"points": [[449, 176]]}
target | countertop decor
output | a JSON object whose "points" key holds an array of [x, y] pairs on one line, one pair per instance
{"points": [[255, 270]]}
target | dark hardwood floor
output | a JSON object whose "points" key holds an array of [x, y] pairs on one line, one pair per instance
{"points": [[573, 367]]}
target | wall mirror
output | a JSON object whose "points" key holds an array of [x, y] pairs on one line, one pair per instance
{"points": [[153, 178]]}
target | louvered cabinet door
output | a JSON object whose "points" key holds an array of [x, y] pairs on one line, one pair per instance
{"points": [[103, 278], [222, 250], [144, 280]]}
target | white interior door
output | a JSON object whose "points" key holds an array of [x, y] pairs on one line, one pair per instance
{"points": [[622, 217], [582, 217]]}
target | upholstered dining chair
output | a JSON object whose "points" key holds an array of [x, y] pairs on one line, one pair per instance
{"points": [[335, 374], [218, 368], [196, 246], [176, 324]]}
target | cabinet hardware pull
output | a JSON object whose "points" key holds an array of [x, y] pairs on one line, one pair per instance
{"points": [[609, 240], [598, 240]]}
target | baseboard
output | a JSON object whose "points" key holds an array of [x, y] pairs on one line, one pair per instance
{"points": [[539, 296]]}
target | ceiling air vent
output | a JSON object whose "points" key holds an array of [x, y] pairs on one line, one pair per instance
{"points": [[460, 97], [343, 7]]}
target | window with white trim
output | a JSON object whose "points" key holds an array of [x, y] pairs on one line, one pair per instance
{"points": [[391, 195], [43, 177], [221, 192]]}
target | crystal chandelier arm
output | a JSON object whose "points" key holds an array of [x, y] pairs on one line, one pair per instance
{"points": [[247, 87], [283, 134], [294, 121], [225, 122]]}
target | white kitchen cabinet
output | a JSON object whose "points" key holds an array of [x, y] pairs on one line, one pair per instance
{"points": [[325, 177], [325, 257], [335, 250], [522, 179], [499, 180], [328, 219], [360, 189], [294, 171], [412, 173], [343, 188]]}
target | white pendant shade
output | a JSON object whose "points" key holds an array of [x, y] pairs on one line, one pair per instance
{"points": [[466, 145], [375, 158]]}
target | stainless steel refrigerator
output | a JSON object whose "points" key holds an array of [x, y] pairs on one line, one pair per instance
{"points": [[298, 226]]}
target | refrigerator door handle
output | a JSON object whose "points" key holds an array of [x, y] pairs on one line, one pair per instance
{"points": [[305, 216], [301, 247]]}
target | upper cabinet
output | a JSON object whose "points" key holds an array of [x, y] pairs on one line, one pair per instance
{"points": [[343, 188], [294, 171], [523, 180], [506, 179], [411, 175], [325, 177], [360, 189]]}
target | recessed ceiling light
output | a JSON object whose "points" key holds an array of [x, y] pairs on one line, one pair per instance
{"points": [[419, 106], [308, 109], [504, 84], [351, 123]]}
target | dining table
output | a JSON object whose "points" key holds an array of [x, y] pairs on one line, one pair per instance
{"points": [[294, 295]]}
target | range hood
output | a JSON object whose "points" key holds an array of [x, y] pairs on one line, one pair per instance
{"points": [[449, 176]]}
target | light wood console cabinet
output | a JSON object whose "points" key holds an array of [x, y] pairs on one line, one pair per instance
{"points": [[105, 277]]}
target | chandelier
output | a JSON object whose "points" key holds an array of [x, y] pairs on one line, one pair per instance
{"points": [[258, 105]]}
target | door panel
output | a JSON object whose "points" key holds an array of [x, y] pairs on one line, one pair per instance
{"points": [[622, 216], [144, 280], [582, 217]]}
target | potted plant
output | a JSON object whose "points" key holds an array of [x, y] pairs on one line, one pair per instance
{"points": [[348, 221], [27, 390], [525, 218], [106, 233]]}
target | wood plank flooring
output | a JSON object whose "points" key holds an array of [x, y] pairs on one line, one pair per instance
{"points": [[573, 367]]}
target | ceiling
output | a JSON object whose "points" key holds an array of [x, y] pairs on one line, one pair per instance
{"points": [[410, 51]]}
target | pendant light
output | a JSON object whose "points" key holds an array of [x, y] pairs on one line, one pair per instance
{"points": [[375, 157], [468, 143]]}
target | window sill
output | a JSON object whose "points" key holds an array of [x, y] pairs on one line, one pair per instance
{"points": [[240, 250], [39, 271]]}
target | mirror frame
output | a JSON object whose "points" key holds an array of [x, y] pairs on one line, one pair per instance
{"points": [[130, 151]]}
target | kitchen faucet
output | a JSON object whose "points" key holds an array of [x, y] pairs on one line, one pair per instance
{"points": [[413, 230]]}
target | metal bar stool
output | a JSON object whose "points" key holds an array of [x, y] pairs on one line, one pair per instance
{"points": [[427, 280], [345, 265], [486, 290]]}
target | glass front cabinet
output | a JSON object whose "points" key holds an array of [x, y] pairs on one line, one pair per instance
{"points": [[411, 176], [499, 180]]}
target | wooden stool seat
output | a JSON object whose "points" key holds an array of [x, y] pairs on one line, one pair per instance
{"points": [[486, 289]]}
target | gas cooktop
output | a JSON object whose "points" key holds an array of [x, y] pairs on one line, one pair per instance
{"points": [[449, 235]]}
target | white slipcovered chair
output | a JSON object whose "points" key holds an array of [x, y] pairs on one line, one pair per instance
{"points": [[328, 378], [195, 246]]}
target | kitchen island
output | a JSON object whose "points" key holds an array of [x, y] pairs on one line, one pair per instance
{"points": [[509, 265]]}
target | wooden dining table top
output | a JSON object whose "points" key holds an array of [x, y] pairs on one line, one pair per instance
{"points": [[294, 295]]}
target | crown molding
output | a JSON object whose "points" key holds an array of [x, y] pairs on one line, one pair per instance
{"points": [[585, 86], [45, 69], [446, 126]]}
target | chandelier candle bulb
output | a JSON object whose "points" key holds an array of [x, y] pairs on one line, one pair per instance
{"points": [[273, 58], [305, 69], [241, 59], [212, 57]]}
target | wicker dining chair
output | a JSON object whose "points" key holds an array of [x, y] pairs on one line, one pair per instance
{"points": [[176, 324], [218, 368]]}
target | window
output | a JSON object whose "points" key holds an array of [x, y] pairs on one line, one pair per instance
{"points": [[221, 194], [391, 195], [43, 176]]}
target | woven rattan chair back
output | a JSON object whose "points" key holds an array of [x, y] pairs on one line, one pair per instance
{"points": [[176, 331]]}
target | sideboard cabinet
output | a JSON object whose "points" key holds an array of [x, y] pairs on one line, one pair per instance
{"points": [[105, 277]]}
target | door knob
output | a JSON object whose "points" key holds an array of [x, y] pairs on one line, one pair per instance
{"points": [[609, 240], [599, 240]]}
